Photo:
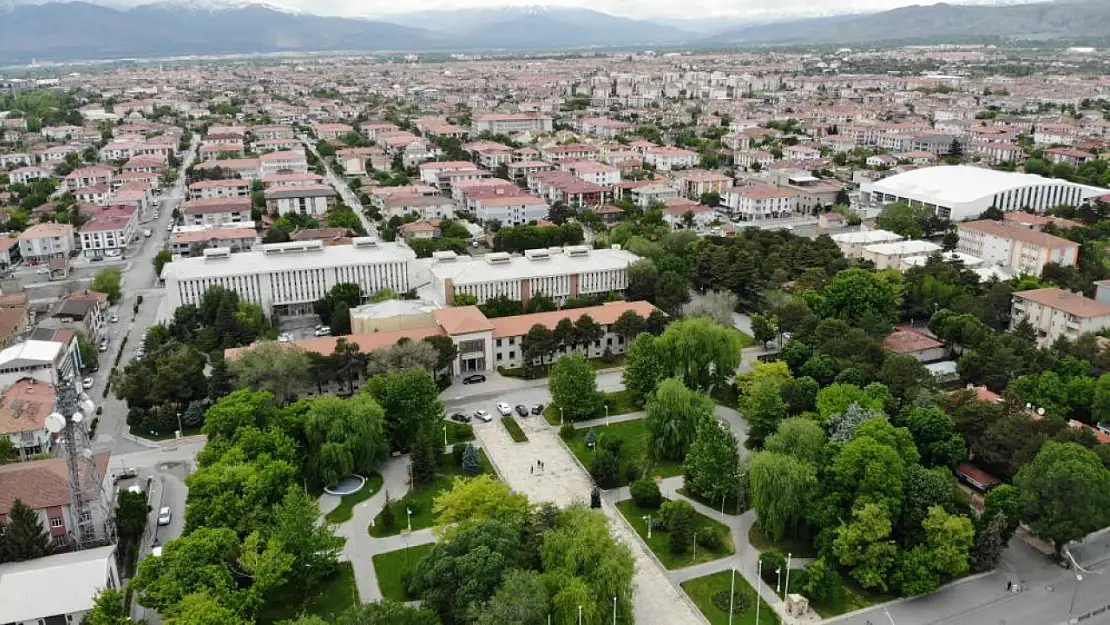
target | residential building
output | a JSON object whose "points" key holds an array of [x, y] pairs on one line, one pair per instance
{"points": [[694, 183], [47, 354], [331, 131], [23, 409], [286, 278], [212, 189], [756, 202], [23, 175], [287, 162], [647, 195], [509, 123], [1019, 249], [1056, 313], [87, 177], [188, 240], [109, 231], [909, 342], [510, 209], [570, 272], [44, 242], [43, 486], [425, 206], [429, 172], [216, 211], [312, 200], [666, 158], [891, 255]]}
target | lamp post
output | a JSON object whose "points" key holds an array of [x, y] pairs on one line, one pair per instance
{"points": [[758, 581], [614, 610], [560, 416], [579, 615], [732, 595], [445, 436], [408, 514], [606, 414], [180, 430], [787, 589], [887, 613], [778, 580], [647, 517]]}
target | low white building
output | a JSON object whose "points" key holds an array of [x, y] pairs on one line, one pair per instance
{"points": [[511, 210], [287, 162], [312, 200], [425, 206], [666, 158], [508, 123], [59, 589], [44, 242], [212, 189], [756, 202], [851, 244], [650, 194], [891, 255]]}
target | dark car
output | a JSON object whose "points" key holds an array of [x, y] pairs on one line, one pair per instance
{"points": [[460, 417], [522, 410], [474, 379], [537, 409]]}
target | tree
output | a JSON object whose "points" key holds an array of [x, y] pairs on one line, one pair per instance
{"points": [[383, 612], [410, 399], [780, 488], [716, 305], [537, 345], [314, 546], [521, 600], [989, 544], [1065, 493], [822, 582], [702, 353], [108, 608], [901, 218], [466, 568], [644, 368], [131, 515], [763, 329], [471, 464], [160, 260], [671, 291], [935, 435], [108, 281], [403, 355], [904, 376], [201, 609], [867, 299], [219, 378], [674, 414], [573, 385], [200, 561], [24, 537], [924, 489], [642, 278], [478, 499], [711, 465], [764, 409], [446, 353], [862, 545], [645, 492], [680, 525], [341, 319], [836, 398], [424, 457], [798, 437], [278, 369], [628, 325], [945, 553]]}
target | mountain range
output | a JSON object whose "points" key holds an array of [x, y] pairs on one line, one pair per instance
{"points": [[82, 30]]}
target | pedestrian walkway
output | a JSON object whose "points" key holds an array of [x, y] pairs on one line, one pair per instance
{"points": [[621, 418], [563, 482]]}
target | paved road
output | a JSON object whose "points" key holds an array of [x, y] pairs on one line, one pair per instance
{"points": [[350, 198]]}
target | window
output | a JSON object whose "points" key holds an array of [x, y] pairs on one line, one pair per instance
{"points": [[56, 521], [512, 355], [499, 342], [85, 516]]}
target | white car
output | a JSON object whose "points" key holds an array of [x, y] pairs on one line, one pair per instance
{"points": [[87, 383], [157, 551], [323, 331], [114, 318], [505, 409], [482, 415], [285, 338], [164, 516]]}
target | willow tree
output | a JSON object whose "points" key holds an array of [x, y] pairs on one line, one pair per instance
{"points": [[780, 487]]}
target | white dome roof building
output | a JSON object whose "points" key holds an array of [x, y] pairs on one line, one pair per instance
{"points": [[961, 192]]}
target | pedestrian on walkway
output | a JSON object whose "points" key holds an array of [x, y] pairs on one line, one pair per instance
{"points": [[531, 470], [1009, 586]]}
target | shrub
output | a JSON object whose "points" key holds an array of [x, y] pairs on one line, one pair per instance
{"points": [[567, 431], [709, 538], [681, 528], [605, 469], [772, 561], [646, 494], [607, 356], [387, 519], [822, 582], [739, 602], [632, 472], [471, 461], [612, 443], [457, 452]]}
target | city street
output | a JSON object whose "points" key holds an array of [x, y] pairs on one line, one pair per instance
{"points": [[340, 185]]}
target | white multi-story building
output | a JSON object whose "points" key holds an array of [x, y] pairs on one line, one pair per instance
{"points": [[668, 157], [109, 232], [312, 200], [506, 123], [87, 177], [287, 162], [756, 202], [212, 189], [1021, 249], [425, 206], [1056, 313], [216, 211], [44, 242], [286, 278], [429, 172], [562, 274], [74, 579], [511, 210]]}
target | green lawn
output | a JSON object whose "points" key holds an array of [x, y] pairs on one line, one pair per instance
{"points": [[541, 372], [702, 589], [619, 402], [326, 600], [420, 500], [795, 547], [852, 597], [391, 567], [343, 512], [633, 451], [660, 541], [515, 432], [732, 507], [458, 432]]}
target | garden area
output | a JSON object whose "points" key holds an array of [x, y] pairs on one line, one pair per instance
{"points": [[330, 597], [675, 528], [343, 512], [829, 593], [393, 570], [458, 432], [391, 520], [799, 548], [619, 402], [631, 451], [711, 595]]}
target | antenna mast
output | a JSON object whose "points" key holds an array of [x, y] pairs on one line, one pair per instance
{"points": [[87, 501]]}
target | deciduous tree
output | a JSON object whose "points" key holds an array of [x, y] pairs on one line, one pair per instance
{"points": [[278, 369], [673, 416], [573, 385], [780, 487], [1065, 492], [710, 467]]}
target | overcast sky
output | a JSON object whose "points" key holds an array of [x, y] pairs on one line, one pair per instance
{"points": [[656, 9]]}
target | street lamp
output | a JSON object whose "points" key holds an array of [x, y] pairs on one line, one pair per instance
{"points": [[606, 414], [560, 416], [408, 514], [445, 436], [778, 580], [758, 581], [579, 615], [180, 430], [614, 610], [787, 589], [647, 517], [732, 595]]}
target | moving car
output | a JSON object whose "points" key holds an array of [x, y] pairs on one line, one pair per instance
{"points": [[87, 383], [482, 415], [285, 337], [537, 409], [147, 233], [474, 379], [460, 417], [164, 516], [323, 331], [522, 410], [114, 318], [504, 409]]}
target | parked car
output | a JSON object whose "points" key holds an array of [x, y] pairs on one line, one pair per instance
{"points": [[522, 410], [482, 415], [323, 331], [122, 474], [460, 417], [87, 383], [285, 337], [504, 409], [476, 378], [102, 347], [164, 516], [114, 318], [147, 233], [537, 409]]}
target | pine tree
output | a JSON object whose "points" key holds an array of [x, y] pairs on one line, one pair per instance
{"points": [[24, 537], [386, 516], [424, 460], [219, 378], [682, 529], [989, 544], [471, 461]]}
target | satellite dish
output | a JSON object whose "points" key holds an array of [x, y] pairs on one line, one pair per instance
{"points": [[1040, 411], [87, 407], [55, 423], [78, 418]]}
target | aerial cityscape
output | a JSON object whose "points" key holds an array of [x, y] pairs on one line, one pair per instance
{"points": [[483, 313]]}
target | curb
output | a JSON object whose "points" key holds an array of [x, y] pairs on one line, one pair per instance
{"points": [[901, 600]]}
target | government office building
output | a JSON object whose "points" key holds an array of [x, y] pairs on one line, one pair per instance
{"points": [[286, 278]]}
